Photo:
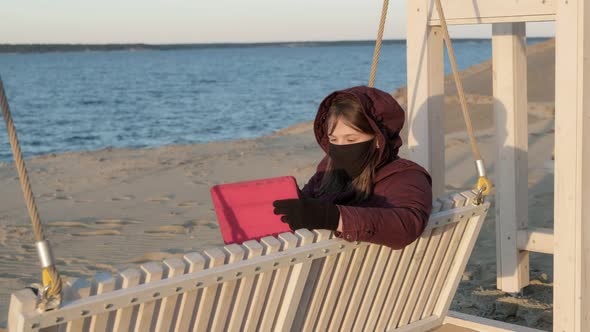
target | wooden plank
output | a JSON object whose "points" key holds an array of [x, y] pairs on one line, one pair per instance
{"points": [[460, 260], [408, 284], [269, 314], [510, 109], [173, 267], [347, 287], [317, 283], [235, 253], [425, 81], [571, 294], [327, 309], [21, 302], [245, 289], [535, 240], [382, 290], [201, 279], [373, 283], [500, 11], [186, 309], [151, 271], [358, 291], [427, 269], [447, 234], [297, 279], [130, 277], [215, 257], [104, 283], [271, 245], [76, 289], [484, 324], [394, 289], [458, 200]]}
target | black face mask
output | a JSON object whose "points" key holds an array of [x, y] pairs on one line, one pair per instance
{"points": [[350, 158]]}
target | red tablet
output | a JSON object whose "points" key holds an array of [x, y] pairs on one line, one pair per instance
{"points": [[245, 210]]}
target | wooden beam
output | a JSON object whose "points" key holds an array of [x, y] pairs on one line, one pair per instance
{"points": [[425, 75], [571, 296], [510, 109], [483, 324], [535, 240], [498, 11]]}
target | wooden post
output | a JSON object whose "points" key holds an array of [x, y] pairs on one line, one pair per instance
{"points": [[571, 295], [425, 70], [511, 169]]}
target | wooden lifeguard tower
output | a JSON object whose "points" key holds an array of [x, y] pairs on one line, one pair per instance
{"points": [[569, 241]]}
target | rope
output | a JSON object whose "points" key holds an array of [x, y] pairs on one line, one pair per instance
{"points": [[53, 274], [483, 184], [378, 43]]}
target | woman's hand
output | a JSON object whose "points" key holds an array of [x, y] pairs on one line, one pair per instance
{"points": [[307, 213]]}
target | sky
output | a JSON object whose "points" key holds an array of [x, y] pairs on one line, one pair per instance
{"points": [[212, 21]]}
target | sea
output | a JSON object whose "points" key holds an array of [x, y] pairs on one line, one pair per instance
{"points": [[92, 99]]}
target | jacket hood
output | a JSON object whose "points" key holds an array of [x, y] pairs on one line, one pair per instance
{"points": [[383, 112]]}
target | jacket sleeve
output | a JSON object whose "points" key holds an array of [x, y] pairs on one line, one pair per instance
{"points": [[309, 189], [399, 219]]}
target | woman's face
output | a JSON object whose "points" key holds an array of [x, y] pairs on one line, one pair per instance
{"points": [[344, 134]]}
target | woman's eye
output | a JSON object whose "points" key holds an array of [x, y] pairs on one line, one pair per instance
{"points": [[351, 140]]}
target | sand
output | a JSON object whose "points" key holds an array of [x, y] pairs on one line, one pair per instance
{"points": [[112, 208]]}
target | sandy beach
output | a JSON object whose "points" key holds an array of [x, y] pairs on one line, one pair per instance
{"points": [[109, 209]]}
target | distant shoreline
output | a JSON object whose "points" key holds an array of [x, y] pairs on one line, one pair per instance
{"points": [[50, 48]]}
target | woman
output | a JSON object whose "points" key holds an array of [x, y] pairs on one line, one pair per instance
{"points": [[362, 189]]}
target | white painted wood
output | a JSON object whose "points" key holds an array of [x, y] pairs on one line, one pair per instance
{"points": [[499, 11], [151, 272], [347, 287], [395, 288], [425, 75], [496, 19], [75, 289], [246, 288], [186, 309], [173, 267], [215, 257], [449, 254], [425, 324], [295, 284], [483, 324], [408, 285], [425, 269], [104, 283], [315, 289], [366, 275], [510, 110], [382, 293], [22, 302], [447, 233], [460, 260], [536, 240], [271, 245], [130, 277], [373, 283], [234, 253], [340, 273], [571, 297], [288, 241]]}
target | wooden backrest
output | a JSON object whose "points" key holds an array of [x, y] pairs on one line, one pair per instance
{"points": [[305, 280]]}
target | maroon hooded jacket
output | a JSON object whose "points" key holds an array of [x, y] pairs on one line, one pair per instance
{"points": [[397, 212]]}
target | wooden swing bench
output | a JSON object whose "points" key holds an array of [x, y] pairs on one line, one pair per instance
{"points": [[302, 281]]}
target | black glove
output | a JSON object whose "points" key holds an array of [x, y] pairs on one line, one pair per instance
{"points": [[307, 213]]}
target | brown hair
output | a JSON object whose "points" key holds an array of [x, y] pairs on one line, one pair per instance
{"points": [[348, 110]]}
